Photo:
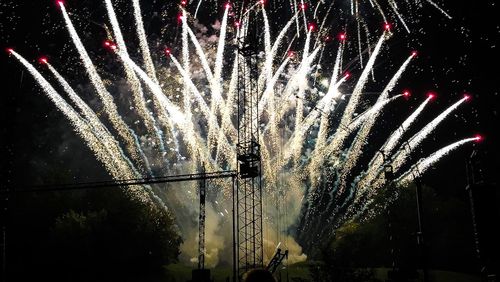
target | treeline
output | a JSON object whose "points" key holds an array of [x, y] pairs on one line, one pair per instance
{"points": [[390, 238], [88, 235]]}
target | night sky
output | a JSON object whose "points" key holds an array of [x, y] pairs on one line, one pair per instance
{"points": [[456, 56]]}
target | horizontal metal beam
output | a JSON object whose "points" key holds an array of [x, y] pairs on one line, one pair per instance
{"points": [[123, 183]]}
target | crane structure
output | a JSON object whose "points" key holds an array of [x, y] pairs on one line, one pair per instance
{"points": [[202, 189], [249, 236]]}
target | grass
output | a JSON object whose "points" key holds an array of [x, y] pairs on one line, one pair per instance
{"points": [[300, 272]]}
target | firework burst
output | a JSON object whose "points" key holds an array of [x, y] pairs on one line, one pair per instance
{"points": [[313, 135]]}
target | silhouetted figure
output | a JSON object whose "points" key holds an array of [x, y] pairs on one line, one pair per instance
{"points": [[258, 275]]}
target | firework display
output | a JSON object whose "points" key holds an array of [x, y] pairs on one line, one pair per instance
{"points": [[314, 124]]}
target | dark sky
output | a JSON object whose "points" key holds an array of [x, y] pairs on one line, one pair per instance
{"points": [[455, 56]]}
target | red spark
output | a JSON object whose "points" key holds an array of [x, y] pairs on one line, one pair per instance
{"points": [[406, 93], [347, 75], [262, 2], [167, 51], [183, 2], [342, 36], [227, 6], [291, 54], [311, 27], [303, 6], [387, 26], [467, 97], [60, 3], [431, 95], [9, 50], [414, 53], [110, 44], [237, 24], [43, 60], [478, 138]]}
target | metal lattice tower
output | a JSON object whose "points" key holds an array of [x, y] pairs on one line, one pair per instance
{"points": [[201, 224], [249, 187]]}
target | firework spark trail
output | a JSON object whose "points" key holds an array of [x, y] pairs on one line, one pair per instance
{"points": [[380, 101], [324, 20], [279, 39], [186, 65], [394, 7], [360, 49], [369, 116], [174, 112], [201, 101], [375, 179], [143, 42], [116, 157], [317, 156], [303, 8], [98, 127], [119, 170], [171, 110], [131, 142], [439, 8], [268, 98], [228, 112], [268, 93], [138, 95], [378, 160], [296, 11], [297, 81], [197, 8], [341, 134], [401, 156], [267, 73], [317, 7], [186, 126], [216, 100], [301, 84], [379, 8], [269, 62], [220, 47], [297, 138], [215, 88], [424, 164], [355, 151], [164, 121]]}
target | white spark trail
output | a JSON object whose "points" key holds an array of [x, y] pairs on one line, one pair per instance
{"points": [[370, 114], [439, 8], [176, 115], [317, 155], [131, 142], [394, 7], [113, 165], [424, 164], [143, 41], [341, 133], [99, 129], [138, 95], [297, 139], [401, 157], [386, 150], [216, 100]]}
